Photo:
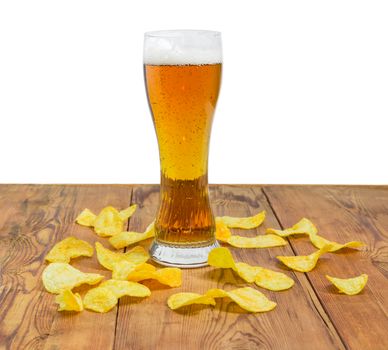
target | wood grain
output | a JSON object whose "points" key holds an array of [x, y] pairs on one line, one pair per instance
{"points": [[295, 324], [344, 213], [32, 220]]}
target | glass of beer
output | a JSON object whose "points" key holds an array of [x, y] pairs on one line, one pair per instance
{"points": [[182, 70]]}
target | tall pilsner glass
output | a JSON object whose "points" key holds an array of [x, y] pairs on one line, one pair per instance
{"points": [[182, 71]]}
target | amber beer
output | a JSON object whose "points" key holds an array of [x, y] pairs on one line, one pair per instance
{"points": [[182, 72], [182, 99]]}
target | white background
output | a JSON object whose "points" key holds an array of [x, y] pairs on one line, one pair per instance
{"points": [[304, 97]]}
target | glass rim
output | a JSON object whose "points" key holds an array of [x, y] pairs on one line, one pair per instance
{"points": [[172, 33]]}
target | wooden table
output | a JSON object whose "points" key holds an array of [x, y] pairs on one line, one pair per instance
{"points": [[311, 315]]}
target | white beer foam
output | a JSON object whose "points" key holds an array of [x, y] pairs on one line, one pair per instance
{"points": [[179, 47]]}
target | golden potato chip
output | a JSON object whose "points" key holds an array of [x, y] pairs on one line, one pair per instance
{"points": [[179, 300], [304, 263], [127, 213], [319, 242], [304, 226], [123, 269], [349, 286], [260, 241], [109, 259], [69, 248], [222, 231], [170, 276], [86, 218], [247, 298], [69, 301], [104, 297], [124, 239], [265, 278], [273, 280], [58, 277], [108, 222], [245, 222]]}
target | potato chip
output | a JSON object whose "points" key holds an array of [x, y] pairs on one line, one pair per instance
{"points": [[123, 269], [349, 286], [304, 263], [104, 297], [108, 222], [245, 222], [304, 226], [124, 239], [319, 242], [69, 301], [58, 277], [265, 278], [247, 298], [86, 218], [179, 300], [260, 241], [127, 213], [170, 276], [109, 259], [69, 248], [222, 231]]}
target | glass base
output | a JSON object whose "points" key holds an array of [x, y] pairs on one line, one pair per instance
{"points": [[186, 258]]}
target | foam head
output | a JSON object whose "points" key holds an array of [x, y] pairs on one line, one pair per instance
{"points": [[178, 47]]}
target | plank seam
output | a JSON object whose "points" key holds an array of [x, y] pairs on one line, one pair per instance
{"points": [[316, 295]]}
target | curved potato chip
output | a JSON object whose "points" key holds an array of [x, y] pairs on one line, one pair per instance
{"points": [[273, 280], [178, 300], [304, 226], [108, 222], [222, 231], [124, 239], [319, 242], [58, 277], [103, 298], [247, 298], [123, 270], [109, 259], [127, 213], [86, 218], [121, 288], [170, 276], [349, 286], [260, 241], [69, 301], [245, 222], [265, 278], [100, 299], [69, 248], [304, 263]]}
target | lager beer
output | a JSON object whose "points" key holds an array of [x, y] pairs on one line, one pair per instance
{"points": [[182, 72]]}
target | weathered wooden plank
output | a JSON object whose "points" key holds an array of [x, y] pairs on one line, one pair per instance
{"points": [[344, 213], [298, 322], [32, 220]]}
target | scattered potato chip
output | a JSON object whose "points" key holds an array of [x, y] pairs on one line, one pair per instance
{"points": [[349, 286], [108, 222], [170, 276], [127, 213], [247, 298], [245, 222], [319, 242], [69, 301], [69, 248], [109, 259], [304, 226], [260, 241], [104, 297], [86, 218], [179, 300], [124, 239], [264, 278], [304, 263], [58, 277], [222, 231], [123, 269]]}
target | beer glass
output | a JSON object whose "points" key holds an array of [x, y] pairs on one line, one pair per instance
{"points": [[182, 70]]}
